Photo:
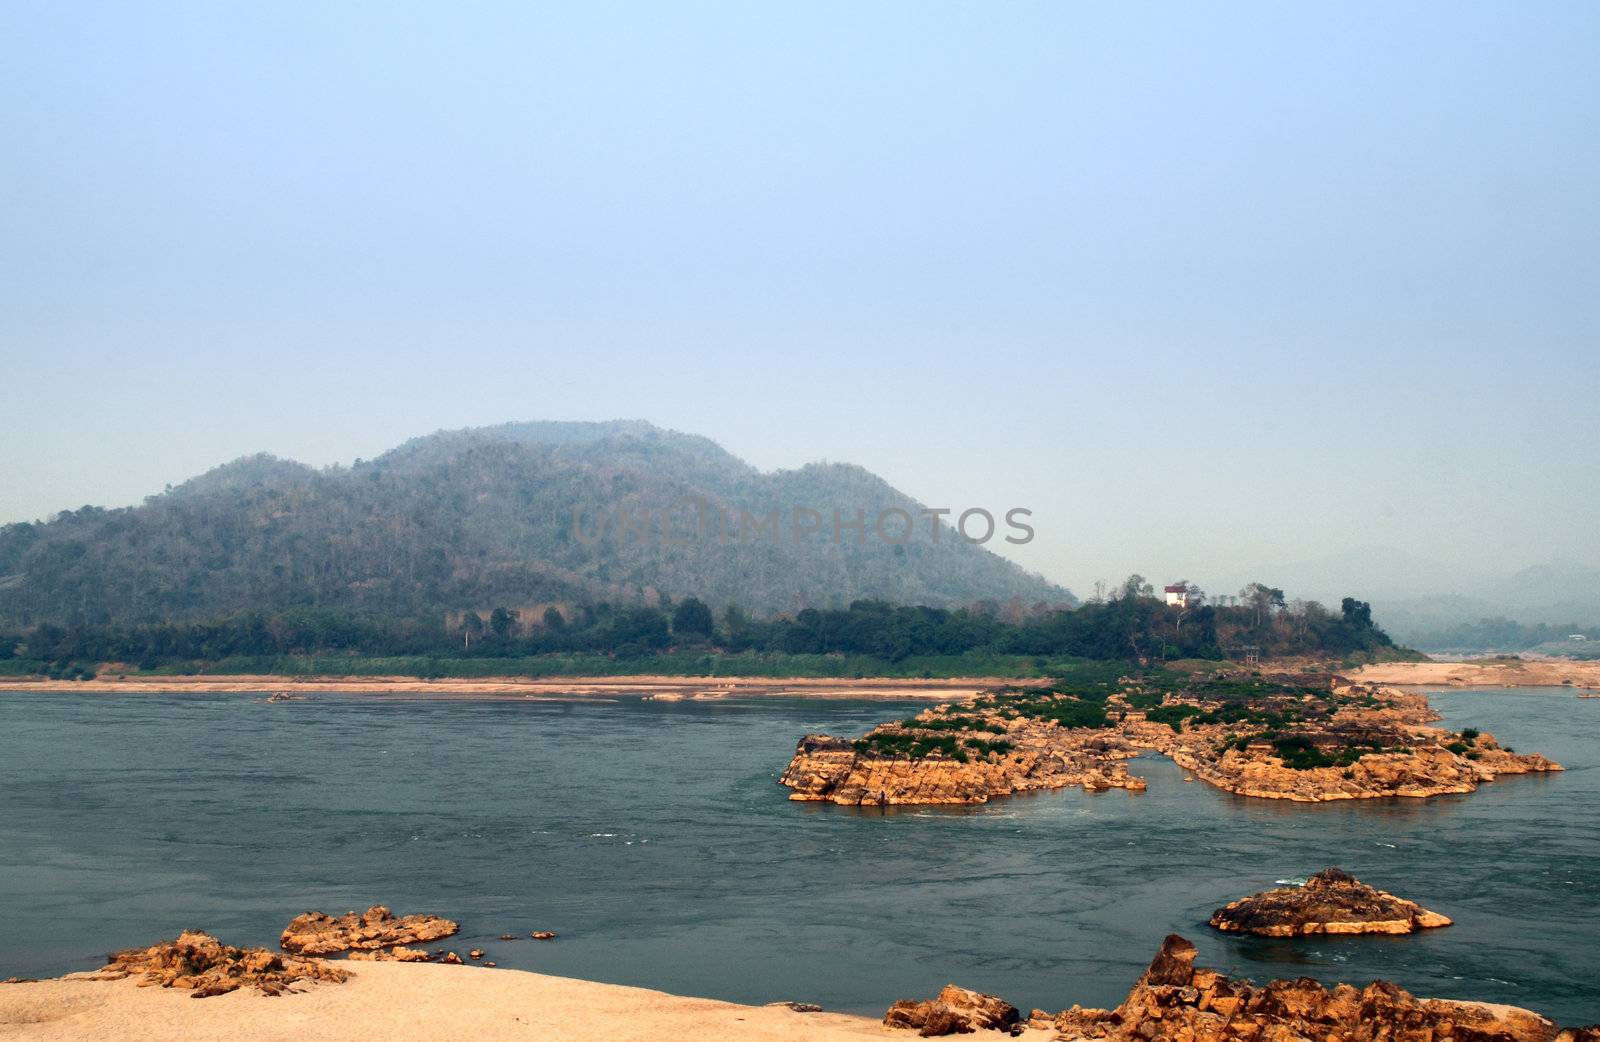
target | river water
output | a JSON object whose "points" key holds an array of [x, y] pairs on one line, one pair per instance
{"points": [[653, 838]]}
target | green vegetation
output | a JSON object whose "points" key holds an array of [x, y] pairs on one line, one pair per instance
{"points": [[1300, 753], [1066, 710], [986, 747], [954, 723], [911, 745], [1173, 716]]}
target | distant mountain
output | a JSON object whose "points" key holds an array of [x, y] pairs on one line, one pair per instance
{"points": [[1559, 593], [508, 515], [1425, 602]]}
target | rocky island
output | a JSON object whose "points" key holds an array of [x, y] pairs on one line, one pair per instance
{"points": [[1330, 902], [1303, 737]]}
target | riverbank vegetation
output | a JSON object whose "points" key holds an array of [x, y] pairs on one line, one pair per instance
{"points": [[869, 638]]}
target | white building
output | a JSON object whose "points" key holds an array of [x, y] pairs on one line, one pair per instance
{"points": [[1178, 595]]}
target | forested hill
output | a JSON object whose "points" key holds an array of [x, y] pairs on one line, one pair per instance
{"points": [[508, 515]]}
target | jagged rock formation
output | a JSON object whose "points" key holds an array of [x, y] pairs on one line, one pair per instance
{"points": [[1176, 1001], [205, 966], [317, 933], [956, 1011], [1330, 902]]}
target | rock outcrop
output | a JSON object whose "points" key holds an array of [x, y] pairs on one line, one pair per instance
{"points": [[1000, 756], [317, 933], [1305, 738], [956, 1011], [205, 966], [1175, 1000], [1330, 902]]}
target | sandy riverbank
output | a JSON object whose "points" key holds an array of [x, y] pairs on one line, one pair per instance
{"points": [[397, 1002], [664, 687], [1531, 672]]}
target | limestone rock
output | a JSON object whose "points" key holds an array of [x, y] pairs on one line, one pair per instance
{"points": [[205, 966], [956, 1011], [316, 933], [1330, 902]]}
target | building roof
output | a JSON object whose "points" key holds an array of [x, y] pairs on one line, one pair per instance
{"points": [[1179, 588]]}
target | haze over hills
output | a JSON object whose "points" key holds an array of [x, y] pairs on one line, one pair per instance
{"points": [[1420, 600], [517, 514]]}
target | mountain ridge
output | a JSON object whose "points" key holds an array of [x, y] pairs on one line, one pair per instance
{"points": [[461, 519]]}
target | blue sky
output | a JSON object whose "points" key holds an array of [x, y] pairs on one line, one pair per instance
{"points": [[1207, 287]]}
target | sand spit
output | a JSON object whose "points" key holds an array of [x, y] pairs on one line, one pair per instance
{"points": [[1523, 672]]}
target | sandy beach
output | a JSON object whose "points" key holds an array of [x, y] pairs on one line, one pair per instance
{"points": [[397, 1002], [666, 688]]}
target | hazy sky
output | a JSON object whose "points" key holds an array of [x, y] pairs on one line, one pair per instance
{"points": [[1205, 286]]}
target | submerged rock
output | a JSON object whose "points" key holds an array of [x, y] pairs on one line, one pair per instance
{"points": [[1330, 902], [399, 953], [205, 966], [956, 1011], [317, 933]]}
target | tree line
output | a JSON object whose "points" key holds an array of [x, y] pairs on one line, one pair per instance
{"points": [[1131, 623]]}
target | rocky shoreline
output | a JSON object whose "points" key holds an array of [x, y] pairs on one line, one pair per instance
{"points": [[1304, 738], [1173, 1000], [1177, 1001]]}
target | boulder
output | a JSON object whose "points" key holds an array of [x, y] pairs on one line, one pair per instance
{"points": [[956, 1011]]}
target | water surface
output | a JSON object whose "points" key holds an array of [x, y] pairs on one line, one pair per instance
{"points": [[653, 838]]}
